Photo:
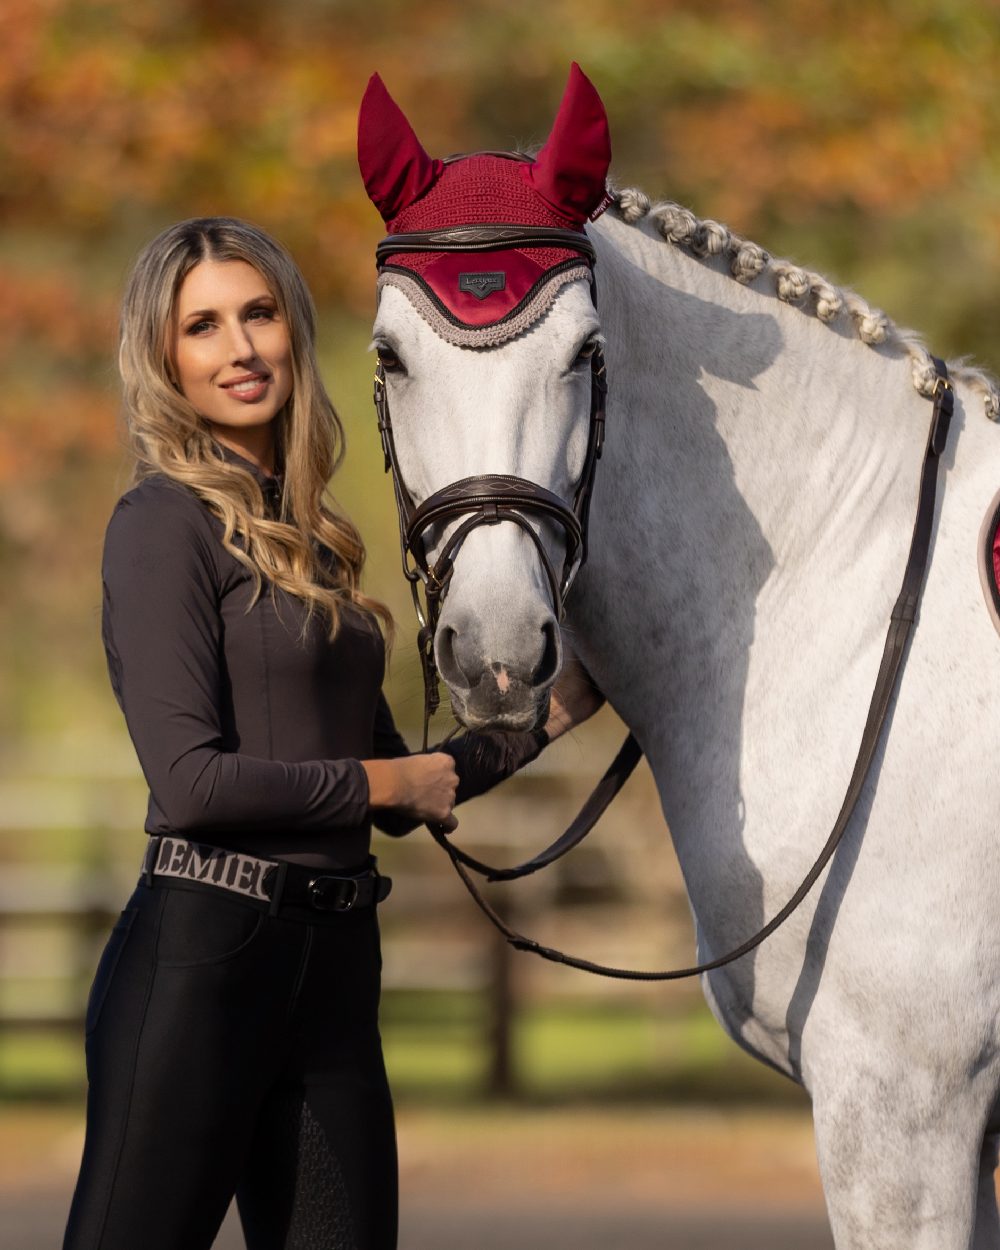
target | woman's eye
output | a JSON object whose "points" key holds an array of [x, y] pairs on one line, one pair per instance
{"points": [[389, 361], [199, 327], [261, 314]]}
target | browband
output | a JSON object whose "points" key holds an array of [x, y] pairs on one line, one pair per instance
{"points": [[488, 238]]}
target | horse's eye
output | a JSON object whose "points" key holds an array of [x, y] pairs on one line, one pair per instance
{"points": [[389, 361], [585, 353]]}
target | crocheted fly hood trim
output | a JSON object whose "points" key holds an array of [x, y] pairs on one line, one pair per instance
{"points": [[443, 322]]}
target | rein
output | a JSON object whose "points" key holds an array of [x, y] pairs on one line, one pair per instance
{"points": [[489, 499]]}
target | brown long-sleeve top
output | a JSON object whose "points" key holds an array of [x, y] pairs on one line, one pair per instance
{"points": [[249, 735]]}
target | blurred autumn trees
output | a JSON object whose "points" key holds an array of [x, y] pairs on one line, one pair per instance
{"points": [[861, 139]]}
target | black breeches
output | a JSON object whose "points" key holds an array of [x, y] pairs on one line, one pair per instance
{"points": [[234, 1052]]}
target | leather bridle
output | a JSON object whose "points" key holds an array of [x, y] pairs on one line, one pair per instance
{"points": [[491, 498]]}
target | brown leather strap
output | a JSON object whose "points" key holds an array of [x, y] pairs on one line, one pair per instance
{"points": [[619, 771], [489, 237], [492, 491], [900, 624]]}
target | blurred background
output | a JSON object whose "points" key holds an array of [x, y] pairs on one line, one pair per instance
{"points": [[862, 140]]}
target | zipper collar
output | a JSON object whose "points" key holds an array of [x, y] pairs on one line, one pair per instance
{"points": [[271, 484]]}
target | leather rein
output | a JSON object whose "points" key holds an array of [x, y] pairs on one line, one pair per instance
{"points": [[492, 498]]}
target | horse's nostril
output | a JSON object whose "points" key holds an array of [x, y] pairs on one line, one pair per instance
{"points": [[449, 658], [548, 666]]}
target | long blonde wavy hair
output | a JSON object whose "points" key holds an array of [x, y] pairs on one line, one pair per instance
{"points": [[167, 435]]}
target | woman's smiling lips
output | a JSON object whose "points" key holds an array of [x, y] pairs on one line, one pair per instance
{"points": [[249, 388]]}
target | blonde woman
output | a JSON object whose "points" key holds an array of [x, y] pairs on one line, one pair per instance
{"points": [[232, 1031]]}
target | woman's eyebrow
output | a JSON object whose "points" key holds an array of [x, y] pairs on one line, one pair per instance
{"points": [[201, 313]]}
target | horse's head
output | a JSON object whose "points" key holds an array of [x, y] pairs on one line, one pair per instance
{"points": [[490, 388]]}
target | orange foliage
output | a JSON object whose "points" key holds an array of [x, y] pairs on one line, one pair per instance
{"points": [[119, 117], [61, 421], [52, 307]]}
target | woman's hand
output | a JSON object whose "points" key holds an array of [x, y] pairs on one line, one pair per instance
{"points": [[422, 786], [574, 697]]}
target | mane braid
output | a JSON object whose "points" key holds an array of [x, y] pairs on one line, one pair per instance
{"points": [[809, 291]]}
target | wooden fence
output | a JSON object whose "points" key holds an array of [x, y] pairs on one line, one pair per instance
{"points": [[70, 844]]}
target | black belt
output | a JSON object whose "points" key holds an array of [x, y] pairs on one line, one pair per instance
{"points": [[273, 881]]}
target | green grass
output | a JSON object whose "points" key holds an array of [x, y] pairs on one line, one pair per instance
{"points": [[41, 1065], [564, 1051], [436, 1048]]}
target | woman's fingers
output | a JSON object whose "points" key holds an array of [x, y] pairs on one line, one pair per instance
{"points": [[419, 785], [442, 784]]}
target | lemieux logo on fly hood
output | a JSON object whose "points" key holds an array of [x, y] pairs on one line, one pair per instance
{"points": [[482, 284]]}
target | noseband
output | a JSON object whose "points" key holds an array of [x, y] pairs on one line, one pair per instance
{"points": [[491, 498]]}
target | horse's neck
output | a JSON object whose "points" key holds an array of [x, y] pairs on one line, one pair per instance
{"points": [[750, 520], [748, 537]]}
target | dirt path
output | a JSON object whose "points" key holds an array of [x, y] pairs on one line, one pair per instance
{"points": [[586, 1179]]}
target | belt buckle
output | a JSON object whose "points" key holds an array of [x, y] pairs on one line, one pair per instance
{"points": [[322, 898]]}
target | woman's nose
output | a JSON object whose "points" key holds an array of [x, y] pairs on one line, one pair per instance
{"points": [[240, 345]]}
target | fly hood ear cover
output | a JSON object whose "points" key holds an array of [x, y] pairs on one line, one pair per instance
{"points": [[395, 168], [570, 172]]}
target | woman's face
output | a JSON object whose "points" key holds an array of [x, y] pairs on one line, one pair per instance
{"points": [[232, 357]]}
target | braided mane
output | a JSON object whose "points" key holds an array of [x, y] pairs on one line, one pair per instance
{"points": [[795, 285]]}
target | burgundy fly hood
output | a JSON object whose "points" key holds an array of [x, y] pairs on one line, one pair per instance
{"points": [[482, 294]]}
